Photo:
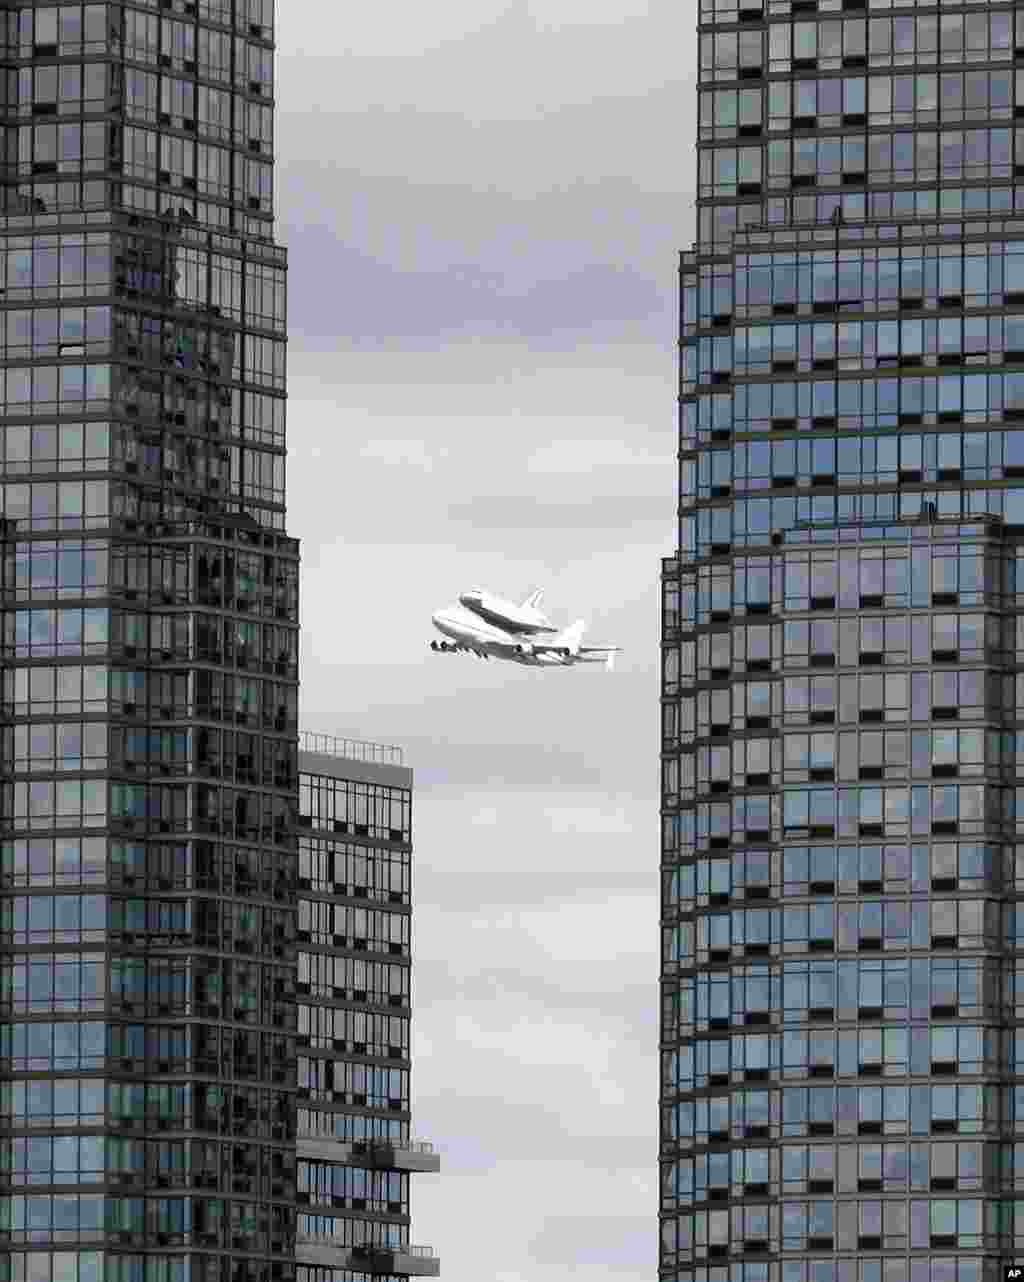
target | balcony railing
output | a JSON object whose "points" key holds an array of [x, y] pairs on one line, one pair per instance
{"points": [[408, 1146], [373, 1257], [415, 1146], [330, 1239], [379, 1154], [329, 745]]}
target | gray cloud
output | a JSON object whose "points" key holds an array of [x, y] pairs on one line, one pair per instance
{"points": [[514, 887], [574, 991], [461, 764], [516, 180], [368, 288], [515, 458], [610, 1244], [525, 1128], [592, 732], [606, 512]]}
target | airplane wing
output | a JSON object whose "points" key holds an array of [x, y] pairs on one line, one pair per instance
{"points": [[570, 641]]}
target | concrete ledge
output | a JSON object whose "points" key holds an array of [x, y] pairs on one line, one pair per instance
{"points": [[376, 1155], [400, 1157], [323, 1149], [380, 1259], [323, 1253]]}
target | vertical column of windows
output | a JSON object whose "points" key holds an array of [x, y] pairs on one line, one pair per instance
{"points": [[354, 870]]}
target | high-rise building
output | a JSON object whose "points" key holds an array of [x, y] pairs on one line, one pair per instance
{"points": [[354, 1149], [843, 710], [148, 883], [150, 622]]}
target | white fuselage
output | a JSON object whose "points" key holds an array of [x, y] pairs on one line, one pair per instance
{"points": [[469, 631]]}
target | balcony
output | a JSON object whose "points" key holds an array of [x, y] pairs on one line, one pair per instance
{"points": [[309, 1144], [329, 1252], [413, 1155], [410, 1261], [322, 1250], [379, 1155]]}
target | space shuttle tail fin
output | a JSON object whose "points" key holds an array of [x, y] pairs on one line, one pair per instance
{"points": [[533, 601]]}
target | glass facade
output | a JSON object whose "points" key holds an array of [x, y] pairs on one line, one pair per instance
{"points": [[150, 625], [354, 1150], [842, 649]]}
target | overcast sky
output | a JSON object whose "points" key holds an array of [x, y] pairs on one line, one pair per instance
{"points": [[483, 203]]}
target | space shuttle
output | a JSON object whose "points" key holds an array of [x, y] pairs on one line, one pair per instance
{"points": [[525, 619]]}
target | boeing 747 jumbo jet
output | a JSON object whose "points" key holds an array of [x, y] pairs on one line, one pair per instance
{"points": [[491, 627]]}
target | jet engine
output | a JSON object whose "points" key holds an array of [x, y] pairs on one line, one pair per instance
{"points": [[434, 646], [524, 647]]}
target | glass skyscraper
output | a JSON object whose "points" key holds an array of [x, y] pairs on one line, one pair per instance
{"points": [[150, 621], [149, 895], [843, 654]]}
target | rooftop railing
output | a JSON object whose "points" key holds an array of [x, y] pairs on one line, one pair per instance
{"points": [[329, 745]]}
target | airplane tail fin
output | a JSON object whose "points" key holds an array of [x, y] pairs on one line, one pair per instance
{"points": [[533, 601], [571, 637]]}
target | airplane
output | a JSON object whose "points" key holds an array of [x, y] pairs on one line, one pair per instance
{"points": [[471, 632]]}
